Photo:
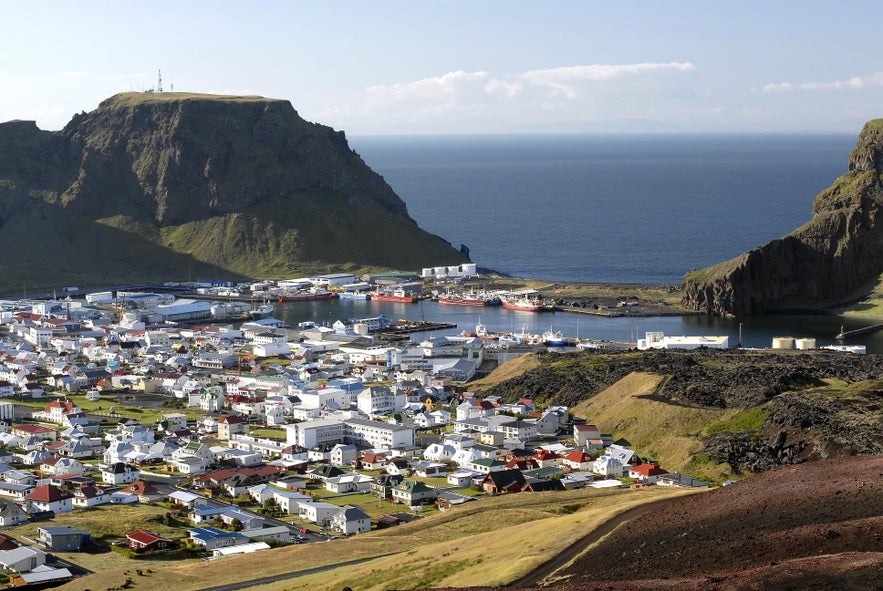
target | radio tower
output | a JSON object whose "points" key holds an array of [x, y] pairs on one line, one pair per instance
{"points": [[159, 81]]}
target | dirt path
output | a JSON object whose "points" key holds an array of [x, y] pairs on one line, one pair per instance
{"points": [[533, 578]]}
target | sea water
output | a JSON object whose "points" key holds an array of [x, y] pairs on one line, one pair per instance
{"points": [[608, 208], [598, 208]]}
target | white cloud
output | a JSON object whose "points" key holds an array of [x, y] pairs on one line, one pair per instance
{"points": [[478, 99], [779, 87], [854, 83], [73, 74], [565, 79], [440, 87]]}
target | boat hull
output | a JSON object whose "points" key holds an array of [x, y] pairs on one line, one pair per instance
{"points": [[455, 301], [393, 298], [307, 297], [521, 306]]}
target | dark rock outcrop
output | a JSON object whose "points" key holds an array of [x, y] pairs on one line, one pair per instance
{"points": [[820, 263], [232, 186]]}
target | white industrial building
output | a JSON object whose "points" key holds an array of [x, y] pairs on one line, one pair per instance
{"points": [[657, 340], [450, 272], [309, 434]]}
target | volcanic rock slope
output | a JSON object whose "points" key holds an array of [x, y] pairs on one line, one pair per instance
{"points": [[824, 261], [814, 526], [177, 186]]}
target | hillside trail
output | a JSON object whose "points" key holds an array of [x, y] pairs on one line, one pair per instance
{"points": [[547, 569]]}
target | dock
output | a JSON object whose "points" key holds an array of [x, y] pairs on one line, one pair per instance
{"points": [[843, 335], [399, 331]]}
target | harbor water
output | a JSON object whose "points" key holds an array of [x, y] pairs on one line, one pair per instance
{"points": [[756, 331]]}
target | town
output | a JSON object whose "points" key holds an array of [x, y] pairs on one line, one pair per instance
{"points": [[217, 439]]}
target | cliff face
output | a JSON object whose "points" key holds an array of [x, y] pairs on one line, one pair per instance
{"points": [[823, 261], [236, 186]]}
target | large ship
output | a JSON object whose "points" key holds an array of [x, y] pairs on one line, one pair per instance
{"points": [[462, 300], [469, 299], [522, 304], [306, 296], [396, 295]]}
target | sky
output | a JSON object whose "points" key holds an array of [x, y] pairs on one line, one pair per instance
{"points": [[463, 67]]}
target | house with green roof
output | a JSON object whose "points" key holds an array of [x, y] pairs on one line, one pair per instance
{"points": [[413, 493]]}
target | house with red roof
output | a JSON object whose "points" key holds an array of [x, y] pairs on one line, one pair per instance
{"points": [[90, 496], [142, 540], [49, 497], [578, 461], [58, 411], [646, 473], [145, 491], [546, 458], [229, 425], [30, 430]]}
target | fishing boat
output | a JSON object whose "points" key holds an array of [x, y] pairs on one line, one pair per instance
{"points": [[553, 338], [522, 304], [312, 295], [265, 310], [462, 300], [396, 295]]}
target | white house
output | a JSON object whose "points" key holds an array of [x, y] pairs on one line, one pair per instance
{"points": [[22, 559], [351, 520], [50, 498], [119, 473], [318, 513], [608, 466]]}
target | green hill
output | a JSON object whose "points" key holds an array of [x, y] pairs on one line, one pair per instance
{"points": [[178, 186]]}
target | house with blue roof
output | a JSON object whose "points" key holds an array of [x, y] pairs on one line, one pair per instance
{"points": [[212, 537]]}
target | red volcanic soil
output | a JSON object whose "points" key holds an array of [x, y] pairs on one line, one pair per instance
{"points": [[810, 526]]}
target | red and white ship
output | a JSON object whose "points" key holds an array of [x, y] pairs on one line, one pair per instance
{"points": [[396, 295], [522, 304], [462, 300], [307, 296]]}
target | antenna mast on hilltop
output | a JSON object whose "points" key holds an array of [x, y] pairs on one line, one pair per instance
{"points": [[159, 81]]}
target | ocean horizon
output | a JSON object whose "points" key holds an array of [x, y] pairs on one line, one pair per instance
{"points": [[625, 208]]}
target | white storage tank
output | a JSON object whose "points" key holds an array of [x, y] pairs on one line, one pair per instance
{"points": [[441, 271], [360, 328], [783, 342], [469, 269], [805, 344]]}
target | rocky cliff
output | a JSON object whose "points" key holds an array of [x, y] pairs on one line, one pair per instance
{"points": [[820, 263], [173, 185]]}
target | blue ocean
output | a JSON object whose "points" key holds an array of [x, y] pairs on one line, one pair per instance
{"points": [[607, 208]]}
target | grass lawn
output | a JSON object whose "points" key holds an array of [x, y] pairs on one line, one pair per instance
{"points": [[146, 416], [441, 482], [367, 502], [110, 521], [274, 433]]}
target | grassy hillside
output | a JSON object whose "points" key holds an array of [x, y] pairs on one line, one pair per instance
{"points": [[487, 542], [659, 429]]}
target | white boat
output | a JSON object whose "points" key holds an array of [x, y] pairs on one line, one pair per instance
{"points": [[354, 295], [554, 338], [262, 311]]}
